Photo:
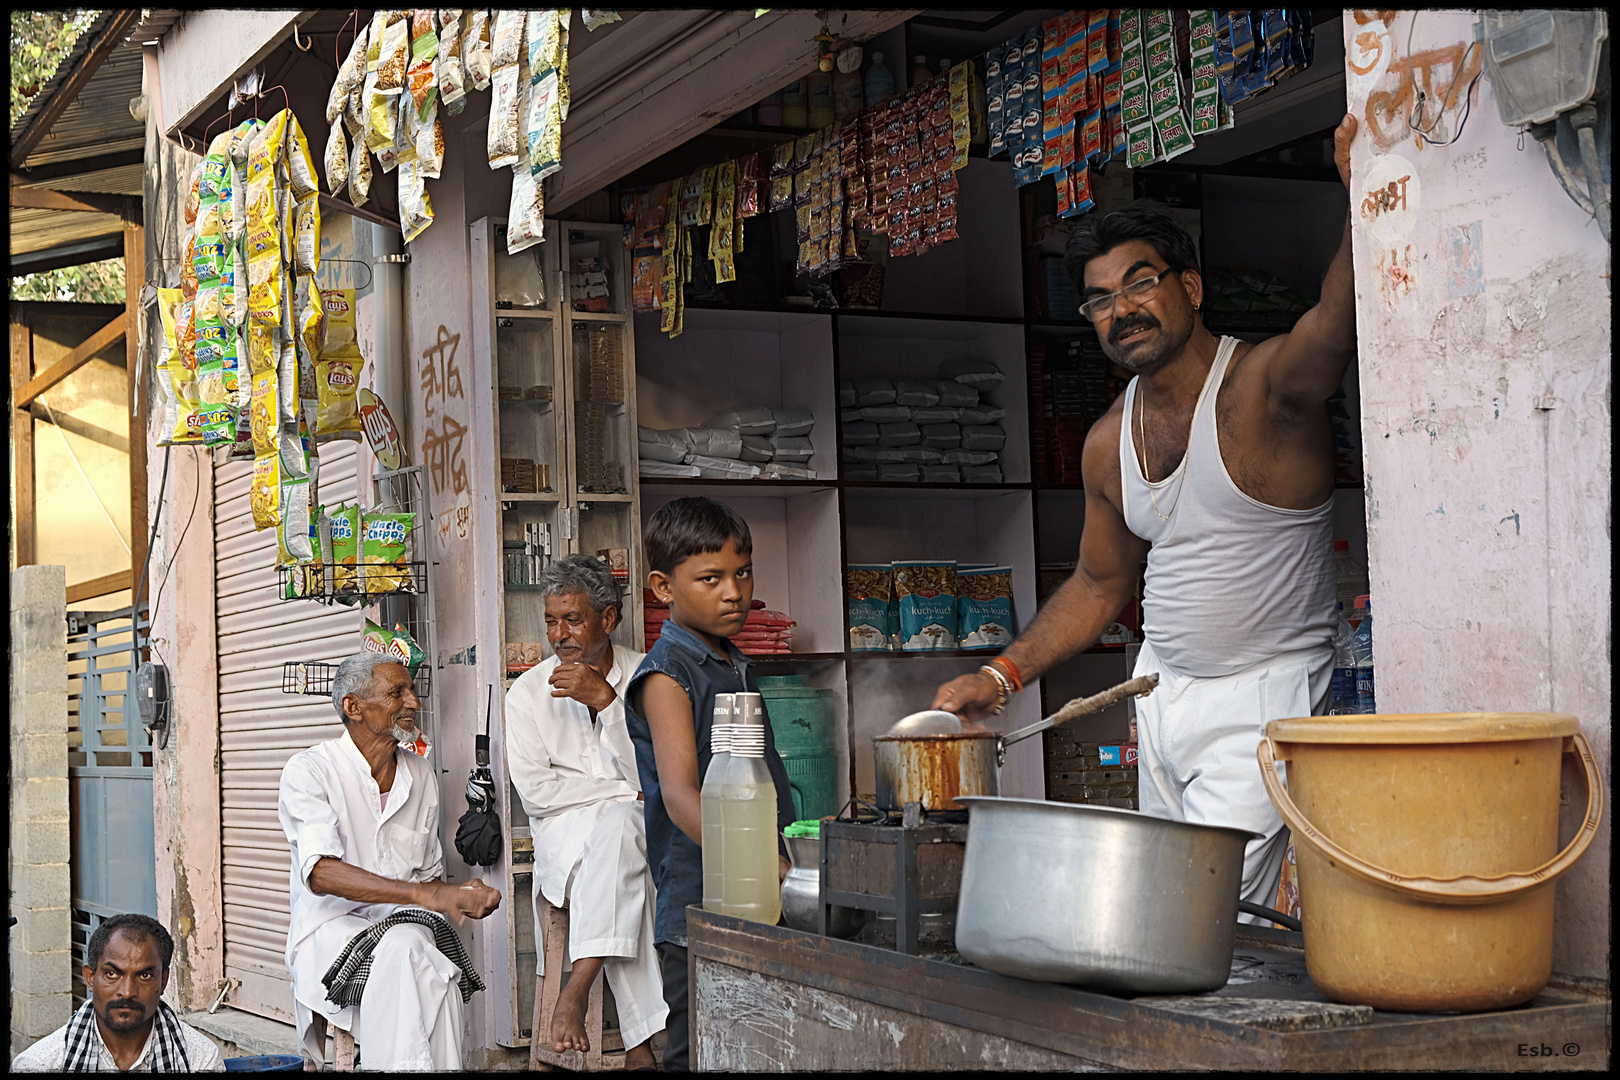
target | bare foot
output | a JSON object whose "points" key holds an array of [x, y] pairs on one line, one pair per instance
{"points": [[568, 1021], [640, 1057]]}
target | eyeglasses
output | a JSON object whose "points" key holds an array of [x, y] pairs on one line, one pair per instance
{"points": [[1098, 306]]}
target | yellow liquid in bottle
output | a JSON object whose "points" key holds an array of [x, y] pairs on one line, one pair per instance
{"points": [[751, 888], [709, 797]]}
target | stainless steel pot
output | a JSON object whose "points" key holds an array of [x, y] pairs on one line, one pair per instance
{"points": [[1099, 897], [801, 894], [935, 770]]}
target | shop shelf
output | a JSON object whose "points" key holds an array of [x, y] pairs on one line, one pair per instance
{"points": [[411, 578]]}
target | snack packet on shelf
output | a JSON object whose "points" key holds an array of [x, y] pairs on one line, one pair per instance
{"points": [[346, 521], [384, 553]]}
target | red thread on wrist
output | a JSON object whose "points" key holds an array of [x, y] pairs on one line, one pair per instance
{"points": [[1011, 671]]}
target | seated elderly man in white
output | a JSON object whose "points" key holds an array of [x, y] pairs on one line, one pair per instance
{"points": [[569, 757], [362, 814]]}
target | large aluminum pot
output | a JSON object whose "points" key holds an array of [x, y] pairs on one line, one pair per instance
{"points": [[1099, 897], [935, 769]]}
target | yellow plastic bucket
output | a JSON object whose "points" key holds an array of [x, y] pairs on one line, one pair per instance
{"points": [[1427, 847]]}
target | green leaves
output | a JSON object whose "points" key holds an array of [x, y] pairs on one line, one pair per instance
{"points": [[39, 42]]}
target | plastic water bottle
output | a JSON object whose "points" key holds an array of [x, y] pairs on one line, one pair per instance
{"points": [[879, 82], [709, 801], [1363, 650], [795, 105], [920, 75], [1343, 695], [750, 887]]}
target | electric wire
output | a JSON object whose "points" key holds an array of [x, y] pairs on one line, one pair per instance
{"points": [[1420, 97]]}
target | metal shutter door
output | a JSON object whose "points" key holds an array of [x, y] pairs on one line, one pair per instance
{"points": [[261, 727]]}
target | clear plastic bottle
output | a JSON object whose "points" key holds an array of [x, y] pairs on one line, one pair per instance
{"points": [[1342, 700], [795, 105], [1365, 701], [920, 75], [818, 86], [751, 887], [879, 82], [1352, 574], [945, 67], [709, 797]]}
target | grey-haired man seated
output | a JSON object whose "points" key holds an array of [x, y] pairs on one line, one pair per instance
{"points": [[366, 945], [125, 1025]]}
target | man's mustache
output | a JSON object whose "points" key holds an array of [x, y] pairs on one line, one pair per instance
{"points": [[1120, 329], [124, 1003]]}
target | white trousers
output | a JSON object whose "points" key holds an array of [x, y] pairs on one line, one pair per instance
{"points": [[610, 915], [410, 1016], [1196, 742]]}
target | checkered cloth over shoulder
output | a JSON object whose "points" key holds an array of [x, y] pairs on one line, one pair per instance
{"points": [[83, 1041], [345, 980]]}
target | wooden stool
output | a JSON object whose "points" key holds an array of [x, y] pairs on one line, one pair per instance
{"points": [[607, 1050], [344, 1049]]}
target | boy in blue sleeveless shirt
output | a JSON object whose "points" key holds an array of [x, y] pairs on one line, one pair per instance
{"points": [[700, 560]]}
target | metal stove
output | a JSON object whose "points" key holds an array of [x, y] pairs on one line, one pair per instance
{"points": [[907, 865]]}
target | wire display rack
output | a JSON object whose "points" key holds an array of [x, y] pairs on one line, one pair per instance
{"points": [[313, 678], [371, 581]]}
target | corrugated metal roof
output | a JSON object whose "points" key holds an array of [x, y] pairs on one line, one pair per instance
{"points": [[123, 180], [98, 120], [38, 230], [72, 60]]}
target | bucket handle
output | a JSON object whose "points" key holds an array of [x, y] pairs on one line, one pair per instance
{"points": [[1464, 889]]}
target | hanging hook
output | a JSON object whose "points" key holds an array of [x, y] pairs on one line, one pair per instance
{"points": [[337, 40], [286, 104], [296, 41]]}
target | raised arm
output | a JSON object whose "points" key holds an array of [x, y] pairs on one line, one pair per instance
{"points": [[1309, 363], [1076, 615]]}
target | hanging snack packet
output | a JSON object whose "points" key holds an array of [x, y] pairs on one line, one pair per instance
{"points": [[307, 234], [452, 80], [264, 492], [262, 413], [384, 553], [429, 143], [415, 210], [504, 126], [376, 639], [337, 160], [359, 171], [337, 371], [525, 217], [475, 50], [406, 649], [422, 78], [345, 558], [544, 126], [286, 385], [394, 57], [300, 165], [193, 193], [507, 38], [350, 75]]}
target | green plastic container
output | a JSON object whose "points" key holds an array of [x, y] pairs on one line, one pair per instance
{"points": [[802, 723]]}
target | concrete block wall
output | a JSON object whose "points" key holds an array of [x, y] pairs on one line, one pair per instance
{"points": [[41, 888]]}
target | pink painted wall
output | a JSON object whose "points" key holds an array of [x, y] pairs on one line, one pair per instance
{"points": [[1482, 290]]}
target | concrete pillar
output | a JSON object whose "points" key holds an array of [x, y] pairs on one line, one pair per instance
{"points": [[41, 889]]}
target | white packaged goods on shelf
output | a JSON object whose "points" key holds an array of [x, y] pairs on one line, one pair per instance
{"points": [[713, 442], [901, 434], [915, 394], [874, 392], [667, 468], [942, 436], [724, 468], [847, 397], [756, 448], [984, 414], [885, 414], [941, 474], [662, 445], [744, 421], [879, 454], [850, 416], [956, 395], [936, 414], [778, 471], [920, 455], [861, 472], [982, 375], [906, 474], [981, 474], [791, 448], [983, 437], [968, 457], [861, 434], [794, 421]]}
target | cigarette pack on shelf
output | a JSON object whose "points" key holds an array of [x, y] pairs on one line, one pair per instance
{"points": [[617, 561], [588, 286], [601, 364], [524, 476]]}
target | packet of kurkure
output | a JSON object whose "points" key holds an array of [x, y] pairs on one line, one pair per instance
{"points": [[384, 553]]}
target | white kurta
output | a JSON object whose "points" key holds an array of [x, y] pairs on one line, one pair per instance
{"points": [[410, 1016], [578, 783]]}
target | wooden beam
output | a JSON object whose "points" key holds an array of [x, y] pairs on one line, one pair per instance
{"points": [[22, 443], [134, 280], [23, 198], [70, 363], [101, 586], [112, 36]]}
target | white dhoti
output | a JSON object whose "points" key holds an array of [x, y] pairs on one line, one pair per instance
{"points": [[410, 1015], [609, 894], [1196, 742]]}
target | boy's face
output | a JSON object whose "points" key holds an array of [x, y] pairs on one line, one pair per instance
{"points": [[709, 593]]}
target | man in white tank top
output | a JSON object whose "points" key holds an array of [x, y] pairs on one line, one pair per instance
{"points": [[1216, 467]]}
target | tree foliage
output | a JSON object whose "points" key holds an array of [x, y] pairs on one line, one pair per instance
{"points": [[40, 40]]}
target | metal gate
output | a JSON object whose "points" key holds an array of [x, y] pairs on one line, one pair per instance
{"points": [[260, 727], [113, 857]]}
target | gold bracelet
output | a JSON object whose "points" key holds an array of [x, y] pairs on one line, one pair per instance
{"points": [[1003, 690]]}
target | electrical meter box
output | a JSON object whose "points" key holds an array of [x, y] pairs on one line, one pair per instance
{"points": [[1542, 63]]}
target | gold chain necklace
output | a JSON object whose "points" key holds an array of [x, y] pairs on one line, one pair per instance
{"points": [[1141, 431]]}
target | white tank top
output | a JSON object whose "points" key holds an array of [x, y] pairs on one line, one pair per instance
{"points": [[1231, 581]]}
